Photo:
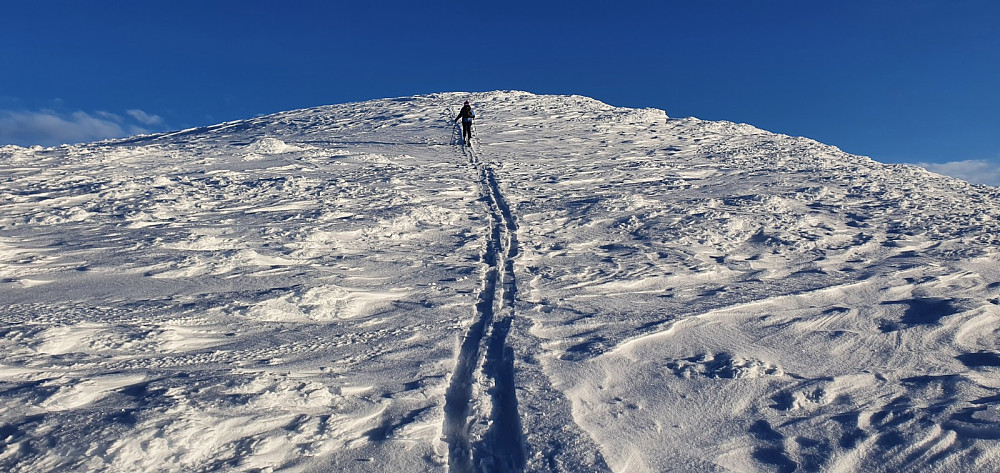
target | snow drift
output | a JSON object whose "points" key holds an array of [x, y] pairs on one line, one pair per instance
{"points": [[582, 288]]}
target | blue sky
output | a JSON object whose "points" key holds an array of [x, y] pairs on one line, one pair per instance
{"points": [[901, 81]]}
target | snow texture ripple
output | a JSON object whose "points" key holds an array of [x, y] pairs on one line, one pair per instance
{"points": [[582, 288]]}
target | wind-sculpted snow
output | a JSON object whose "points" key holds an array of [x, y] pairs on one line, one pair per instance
{"points": [[586, 288]]}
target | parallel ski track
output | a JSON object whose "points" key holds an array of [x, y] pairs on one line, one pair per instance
{"points": [[500, 448]]}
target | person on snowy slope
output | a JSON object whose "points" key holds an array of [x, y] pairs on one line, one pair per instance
{"points": [[466, 115]]}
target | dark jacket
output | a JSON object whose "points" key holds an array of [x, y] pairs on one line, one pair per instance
{"points": [[466, 114]]}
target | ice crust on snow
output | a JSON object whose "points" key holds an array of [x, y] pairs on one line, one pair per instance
{"points": [[583, 288]]}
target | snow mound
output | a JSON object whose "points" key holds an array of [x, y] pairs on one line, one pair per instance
{"points": [[326, 303], [269, 146], [637, 115]]}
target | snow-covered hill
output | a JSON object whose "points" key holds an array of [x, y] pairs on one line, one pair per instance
{"points": [[585, 288]]}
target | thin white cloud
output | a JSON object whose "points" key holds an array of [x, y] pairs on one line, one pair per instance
{"points": [[145, 118], [49, 128], [976, 171], [109, 116]]}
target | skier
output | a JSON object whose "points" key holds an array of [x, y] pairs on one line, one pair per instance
{"points": [[466, 115]]}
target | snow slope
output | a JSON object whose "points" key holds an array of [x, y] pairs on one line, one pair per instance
{"points": [[585, 288]]}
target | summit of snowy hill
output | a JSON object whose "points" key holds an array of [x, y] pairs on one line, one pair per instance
{"points": [[581, 288]]}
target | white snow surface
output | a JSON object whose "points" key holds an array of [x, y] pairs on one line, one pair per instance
{"points": [[583, 288]]}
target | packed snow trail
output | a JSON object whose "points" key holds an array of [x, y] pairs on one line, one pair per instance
{"points": [[498, 448]]}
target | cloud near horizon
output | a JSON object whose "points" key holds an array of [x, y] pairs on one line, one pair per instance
{"points": [[51, 128], [144, 118], [976, 171]]}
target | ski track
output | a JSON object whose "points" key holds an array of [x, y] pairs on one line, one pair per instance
{"points": [[499, 448]]}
